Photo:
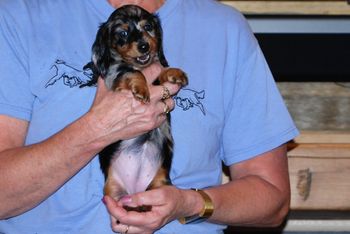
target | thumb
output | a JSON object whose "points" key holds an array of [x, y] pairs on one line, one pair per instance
{"points": [[113, 207], [101, 85], [101, 88]]}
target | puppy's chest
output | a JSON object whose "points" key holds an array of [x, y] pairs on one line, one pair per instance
{"points": [[135, 168]]}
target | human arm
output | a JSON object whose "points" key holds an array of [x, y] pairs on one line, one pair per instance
{"points": [[258, 195], [30, 174]]}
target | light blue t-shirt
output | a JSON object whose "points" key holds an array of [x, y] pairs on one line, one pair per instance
{"points": [[230, 111]]}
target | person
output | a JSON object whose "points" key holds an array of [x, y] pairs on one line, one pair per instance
{"points": [[51, 130]]}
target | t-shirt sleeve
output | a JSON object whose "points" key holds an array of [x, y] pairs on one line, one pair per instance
{"points": [[15, 96], [257, 119]]}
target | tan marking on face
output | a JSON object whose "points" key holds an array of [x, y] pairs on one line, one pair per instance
{"points": [[142, 24], [128, 52], [149, 37]]}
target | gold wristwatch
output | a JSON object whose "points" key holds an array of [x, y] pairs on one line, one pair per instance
{"points": [[205, 213]]}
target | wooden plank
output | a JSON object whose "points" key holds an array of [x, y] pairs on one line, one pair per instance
{"points": [[319, 171], [291, 7], [326, 188], [333, 137], [316, 150], [318, 225], [321, 144], [320, 184]]}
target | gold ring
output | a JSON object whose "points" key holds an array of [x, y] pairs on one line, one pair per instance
{"points": [[166, 109], [127, 229], [166, 93]]}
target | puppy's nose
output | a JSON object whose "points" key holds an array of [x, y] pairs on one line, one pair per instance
{"points": [[143, 47]]}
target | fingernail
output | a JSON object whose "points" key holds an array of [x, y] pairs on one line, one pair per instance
{"points": [[103, 200], [126, 199]]}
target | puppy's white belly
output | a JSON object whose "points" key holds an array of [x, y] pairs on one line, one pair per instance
{"points": [[135, 169]]}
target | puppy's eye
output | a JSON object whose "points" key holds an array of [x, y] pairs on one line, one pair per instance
{"points": [[148, 27], [123, 34]]}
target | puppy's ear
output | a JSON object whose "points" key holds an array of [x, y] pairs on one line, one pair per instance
{"points": [[101, 54], [159, 36]]}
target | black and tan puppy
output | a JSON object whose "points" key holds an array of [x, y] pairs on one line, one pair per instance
{"points": [[130, 40]]}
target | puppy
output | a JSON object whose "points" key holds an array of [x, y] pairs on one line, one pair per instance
{"points": [[129, 41]]}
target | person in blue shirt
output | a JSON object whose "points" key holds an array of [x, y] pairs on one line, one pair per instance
{"points": [[51, 130]]}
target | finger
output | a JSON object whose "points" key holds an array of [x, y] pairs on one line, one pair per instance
{"points": [[149, 220], [113, 208], [152, 72], [138, 219], [166, 92], [165, 106], [157, 92], [121, 217], [121, 220], [119, 227], [129, 229], [152, 198]]}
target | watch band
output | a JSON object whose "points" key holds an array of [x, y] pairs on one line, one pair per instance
{"points": [[205, 213]]}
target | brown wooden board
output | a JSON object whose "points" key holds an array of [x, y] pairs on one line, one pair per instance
{"points": [[291, 7]]}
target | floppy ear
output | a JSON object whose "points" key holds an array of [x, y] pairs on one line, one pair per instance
{"points": [[101, 54], [159, 36]]}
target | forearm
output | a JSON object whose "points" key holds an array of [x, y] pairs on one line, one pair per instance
{"points": [[250, 201], [258, 195], [31, 173]]}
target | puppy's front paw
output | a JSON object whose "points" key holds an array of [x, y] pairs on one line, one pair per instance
{"points": [[140, 92], [136, 83], [174, 75]]}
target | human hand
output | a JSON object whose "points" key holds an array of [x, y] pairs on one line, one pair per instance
{"points": [[167, 204], [118, 115]]}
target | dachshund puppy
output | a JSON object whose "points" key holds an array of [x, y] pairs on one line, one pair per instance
{"points": [[130, 40]]}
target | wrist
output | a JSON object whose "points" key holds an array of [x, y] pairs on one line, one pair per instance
{"points": [[193, 203], [88, 135], [202, 208]]}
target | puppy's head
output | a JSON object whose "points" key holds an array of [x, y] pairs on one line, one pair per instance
{"points": [[131, 34]]}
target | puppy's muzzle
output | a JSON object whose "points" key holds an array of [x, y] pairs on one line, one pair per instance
{"points": [[144, 48]]}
